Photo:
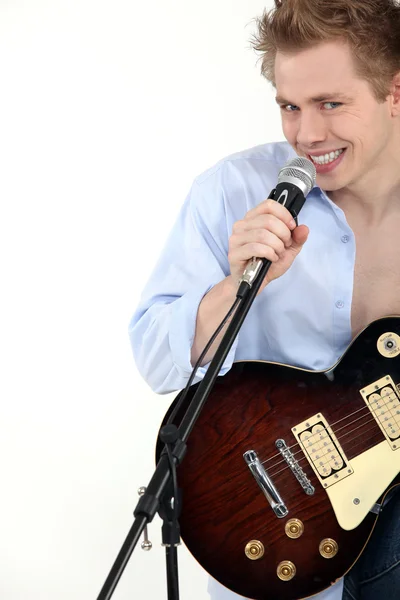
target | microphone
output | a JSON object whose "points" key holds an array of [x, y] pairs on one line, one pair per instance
{"points": [[295, 181]]}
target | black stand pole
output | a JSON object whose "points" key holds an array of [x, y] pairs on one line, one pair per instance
{"points": [[160, 491], [172, 572], [150, 503]]}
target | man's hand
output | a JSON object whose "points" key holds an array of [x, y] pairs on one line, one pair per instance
{"points": [[267, 231]]}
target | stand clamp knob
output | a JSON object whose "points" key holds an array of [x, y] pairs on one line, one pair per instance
{"points": [[146, 544]]}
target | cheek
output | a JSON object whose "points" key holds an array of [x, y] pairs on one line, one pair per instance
{"points": [[289, 129], [360, 128], [363, 136]]}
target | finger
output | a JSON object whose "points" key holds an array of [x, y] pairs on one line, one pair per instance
{"points": [[241, 254], [274, 208], [261, 236], [267, 222], [299, 236]]}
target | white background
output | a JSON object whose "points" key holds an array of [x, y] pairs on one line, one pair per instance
{"points": [[108, 110]]}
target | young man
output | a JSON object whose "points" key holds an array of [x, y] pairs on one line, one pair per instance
{"points": [[336, 68]]}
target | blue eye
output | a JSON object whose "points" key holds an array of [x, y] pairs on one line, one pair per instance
{"points": [[332, 105], [290, 107]]}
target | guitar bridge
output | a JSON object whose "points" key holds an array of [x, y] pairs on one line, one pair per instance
{"points": [[294, 466], [322, 450]]}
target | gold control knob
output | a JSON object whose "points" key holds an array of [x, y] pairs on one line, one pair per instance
{"points": [[286, 570], [254, 550], [328, 548], [294, 528]]}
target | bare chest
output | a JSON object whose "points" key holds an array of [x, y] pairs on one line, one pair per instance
{"points": [[376, 291]]}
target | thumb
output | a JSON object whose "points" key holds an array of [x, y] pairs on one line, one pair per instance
{"points": [[299, 237]]}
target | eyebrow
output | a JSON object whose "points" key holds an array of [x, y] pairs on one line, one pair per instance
{"points": [[321, 98]]}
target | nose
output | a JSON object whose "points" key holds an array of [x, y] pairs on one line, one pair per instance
{"points": [[312, 128]]}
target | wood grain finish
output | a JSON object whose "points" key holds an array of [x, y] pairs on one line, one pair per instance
{"points": [[223, 508]]}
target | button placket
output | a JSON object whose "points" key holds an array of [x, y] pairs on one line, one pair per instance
{"points": [[343, 289]]}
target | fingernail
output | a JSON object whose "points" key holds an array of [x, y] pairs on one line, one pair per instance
{"points": [[292, 224]]}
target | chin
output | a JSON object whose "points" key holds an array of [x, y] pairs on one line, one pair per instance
{"points": [[330, 184]]}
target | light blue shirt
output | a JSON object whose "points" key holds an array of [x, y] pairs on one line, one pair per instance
{"points": [[301, 319]]}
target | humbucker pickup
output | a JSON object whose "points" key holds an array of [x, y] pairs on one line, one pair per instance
{"points": [[322, 450]]}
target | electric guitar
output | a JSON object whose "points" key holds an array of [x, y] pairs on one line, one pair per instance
{"points": [[286, 468]]}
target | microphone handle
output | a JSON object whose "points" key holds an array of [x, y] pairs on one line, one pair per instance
{"points": [[290, 196]]}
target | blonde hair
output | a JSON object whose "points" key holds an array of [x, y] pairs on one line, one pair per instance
{"points": [[371, 27]]}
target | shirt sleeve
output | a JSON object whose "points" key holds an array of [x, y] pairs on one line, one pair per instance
{"points": [[192, 262]]}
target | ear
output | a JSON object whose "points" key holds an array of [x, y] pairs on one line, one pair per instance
{"points": [[394, 95]]}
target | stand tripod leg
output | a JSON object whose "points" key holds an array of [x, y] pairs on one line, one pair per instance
{"points": [[172, 572]]}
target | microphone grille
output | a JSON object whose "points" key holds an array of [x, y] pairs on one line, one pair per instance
{"points": [[301, 169]]}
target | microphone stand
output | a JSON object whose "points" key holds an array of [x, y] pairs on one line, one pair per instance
{"points": [[162, 494], [159, 492]]}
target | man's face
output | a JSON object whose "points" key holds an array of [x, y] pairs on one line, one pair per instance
{"points": [[328, 110]]}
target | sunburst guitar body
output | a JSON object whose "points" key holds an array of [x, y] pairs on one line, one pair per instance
{"points": [[286, 468]]}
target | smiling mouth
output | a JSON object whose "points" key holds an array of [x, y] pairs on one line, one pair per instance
{"points": [[326, 159]]}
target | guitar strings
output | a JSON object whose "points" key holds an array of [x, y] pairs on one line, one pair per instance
{"points": [[319, 438], [279, 455], [330, 427], [324, 463], [329, 451], [357, 442], [286, 482], [339, 438]]}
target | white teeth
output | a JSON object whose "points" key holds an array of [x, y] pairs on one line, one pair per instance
{"points": [[325, 159]]}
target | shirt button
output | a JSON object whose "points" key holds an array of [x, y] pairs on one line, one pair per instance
{"points": [[339, 304], [345, 239]]}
